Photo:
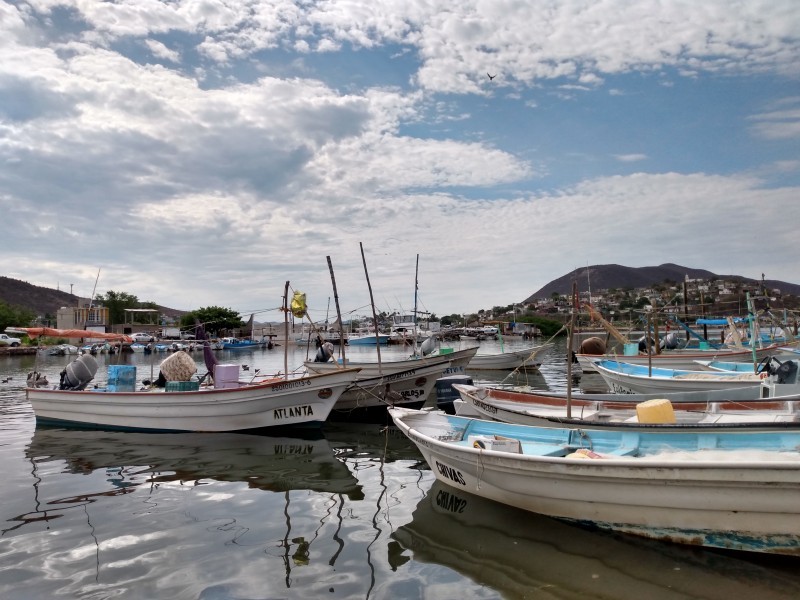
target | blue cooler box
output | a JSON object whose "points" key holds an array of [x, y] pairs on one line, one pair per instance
{"points": [[121, 378]]}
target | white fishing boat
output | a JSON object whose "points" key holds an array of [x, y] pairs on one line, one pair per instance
{"points": [[366, 336], [733, 490], [508, 360], [624, 378], [186, 405], [621, 412], [451, 362], [367, 397], [679, 358]]}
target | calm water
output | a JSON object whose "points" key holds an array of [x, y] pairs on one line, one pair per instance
{"points": [[350, 513]]}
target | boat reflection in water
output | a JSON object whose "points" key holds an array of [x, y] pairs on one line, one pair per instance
{"points": [[184, 491], [265, 462], [520, 554]]}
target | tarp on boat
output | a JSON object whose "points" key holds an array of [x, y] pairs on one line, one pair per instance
{"points": [[722, 321], [35, 332]]}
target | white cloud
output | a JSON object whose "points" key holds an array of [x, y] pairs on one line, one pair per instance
{"points": [[630, 157], [160, 50], [783, 122], [233, 179]]}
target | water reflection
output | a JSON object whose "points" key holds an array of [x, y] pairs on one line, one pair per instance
{"points": [[518, 553], [266, 462]]}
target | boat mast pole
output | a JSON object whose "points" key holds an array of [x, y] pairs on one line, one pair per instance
{"points": [[416, 287], [751, 310], [569, 347], [374, 316], [338, 312], [286, 331]]}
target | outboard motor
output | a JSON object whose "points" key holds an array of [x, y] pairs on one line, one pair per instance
{"points": [[324, 353], [787, 372], [78, 373], [671, 341], [643, 343]]}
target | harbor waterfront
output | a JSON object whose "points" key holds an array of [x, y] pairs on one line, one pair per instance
{"points": [[348, 511]]}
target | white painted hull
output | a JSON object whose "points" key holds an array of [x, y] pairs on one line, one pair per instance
{"points": [[678, 359], [405, 388], [620, 414], [526, 358], [725, 502], [453, 363], [268, 404], [625, 383], [368, 340]]}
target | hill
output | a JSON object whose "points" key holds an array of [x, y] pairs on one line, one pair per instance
{"points": [[618, 276], [40, 300], [46, 301]]}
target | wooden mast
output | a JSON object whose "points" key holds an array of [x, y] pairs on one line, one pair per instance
{"points": [[374, 316], [338, 312]]}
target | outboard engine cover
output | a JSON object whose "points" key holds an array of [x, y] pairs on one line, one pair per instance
{"points": [[787, 372], [78, 373], [671, 341], [643, 342], [324, 353]]}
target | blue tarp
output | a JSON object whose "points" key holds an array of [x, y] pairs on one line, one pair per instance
{"points": [[721, 321]]}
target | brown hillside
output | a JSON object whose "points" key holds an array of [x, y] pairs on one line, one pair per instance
{"points": [[46, 301]]}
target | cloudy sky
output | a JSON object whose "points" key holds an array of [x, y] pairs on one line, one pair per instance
{"points": [[204, 152]]}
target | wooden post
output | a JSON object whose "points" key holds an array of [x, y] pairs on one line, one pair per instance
{"points": [[286, 331], [686, 308], [374, 316], [569, 347], [338, 312], [647, 344]]}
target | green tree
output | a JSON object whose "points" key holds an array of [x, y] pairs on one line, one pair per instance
{"points": [[11, 316], [214, 318], [548, 327], [116, 303]]}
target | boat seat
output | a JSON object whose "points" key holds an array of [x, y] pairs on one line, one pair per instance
{"points": [[536, 449], [622, 451]]}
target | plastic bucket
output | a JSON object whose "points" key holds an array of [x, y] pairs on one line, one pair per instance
{"points": [[631, 349]]}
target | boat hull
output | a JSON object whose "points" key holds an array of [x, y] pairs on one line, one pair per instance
{"points": [[627, 378], [678, 359], [620, 414], [409, 388], [368, 340], [748, 505], [277, 403], [453, 363], [526, 358]]}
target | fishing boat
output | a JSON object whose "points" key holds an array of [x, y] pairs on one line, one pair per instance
{"points": [[452, 362], [685, 359], [524, 358], [621, 412], [231, 343], [184, 404], [732, 490], [624, 378], [366, 336], [368, 398], [63, 350]]}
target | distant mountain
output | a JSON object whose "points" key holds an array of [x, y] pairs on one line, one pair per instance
{"points": [[43, 301], [40, 300], [616, 276]]}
